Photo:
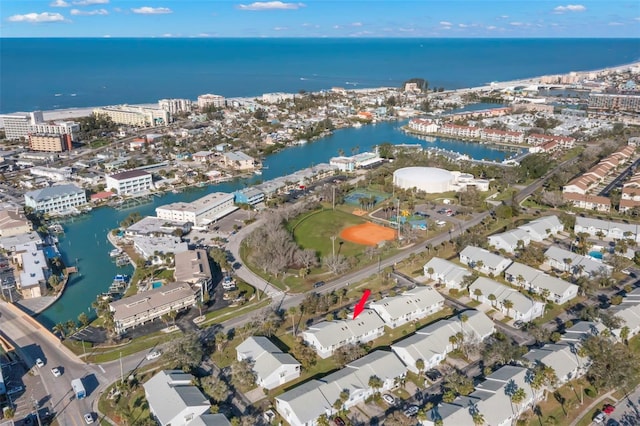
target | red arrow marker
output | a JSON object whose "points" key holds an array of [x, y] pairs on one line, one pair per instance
{"points": [[357, 310]]}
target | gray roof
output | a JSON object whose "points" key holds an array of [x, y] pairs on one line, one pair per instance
{"points": [[210, 420], [539, 279], [329, 333], [50, 192], [562, 357], [192, 266], [266, 356], [521, 303], [410, 301], [629, 310], [540, 225], [149, 300], [479, 254], [590, 265], [238, 156], [512, 237], [306, 400], [168, 394], [607, 225], [582, 330], [450, 271]]}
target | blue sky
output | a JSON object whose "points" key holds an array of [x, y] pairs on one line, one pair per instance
{"points": [[319, 18]]}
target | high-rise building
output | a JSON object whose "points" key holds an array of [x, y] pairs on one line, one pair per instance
{"points": [[175, 106], [50, 142], [21, 126], [618, 102], [135, 116], [217, 101]]}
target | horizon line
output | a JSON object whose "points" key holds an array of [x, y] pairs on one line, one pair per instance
{"points": [[323, 38]]}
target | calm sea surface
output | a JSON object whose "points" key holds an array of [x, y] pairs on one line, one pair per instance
{"points": [[62, 73]]}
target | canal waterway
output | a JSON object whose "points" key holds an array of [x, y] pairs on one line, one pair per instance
{"points": [[85, 241]]}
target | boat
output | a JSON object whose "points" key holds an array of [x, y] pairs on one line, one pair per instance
{"points": [[122, 261], [115, 252], [257, 172], [120, 278], [357, 124], [301, 142]]}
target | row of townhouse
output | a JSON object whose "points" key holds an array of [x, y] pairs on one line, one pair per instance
{"points": [[574, 263], [520, 308], [492, 397], [536, 230], [607, 229], [417, 303], [629, 312], [536, 281], [494, 135], [630, 197], [576, 191]]}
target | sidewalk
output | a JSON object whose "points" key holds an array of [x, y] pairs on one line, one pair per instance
{"points": [[593, 404]]}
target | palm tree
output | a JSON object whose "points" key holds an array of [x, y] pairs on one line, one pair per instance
{"points": [[375, 383], [478, 418], [292, 313], [492, 298], [60, 329], [453, 339], [518, 397], [71, 326], [507, 304], [624, 334], [420, 366], [173, 314], [477, 292]]}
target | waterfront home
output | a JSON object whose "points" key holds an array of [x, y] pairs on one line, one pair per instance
{"points": [[423, 125], [432, 343], [511, 240], [563, 357], [542, 228], [250, 196], [33, 271], [491, 399], [151, 246], [203, 156], [410, 305], [200, 212], [272, 367], [174, 401], [599, 228], [131, 182], [133, 311], [150, 226], [327, 336], [238, 160], [574, 263], [522, 309], [302, 405], [483, 260], [445, 272], [13, 222], [629, 313], [56, 199], [192, 266], [557, 290]]}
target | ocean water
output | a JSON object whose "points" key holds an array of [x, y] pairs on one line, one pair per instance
{"points": [[63, 73]]}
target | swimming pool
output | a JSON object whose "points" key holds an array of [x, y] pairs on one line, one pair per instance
{"points": [[595, 254], [156, 284]]}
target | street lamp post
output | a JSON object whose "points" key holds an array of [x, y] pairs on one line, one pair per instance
{"points": [[36, 407], [333, 245]]}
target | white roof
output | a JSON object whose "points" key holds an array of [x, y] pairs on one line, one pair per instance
{"points": [[266, 356], [170, 392], [329, 333], [539, 279], [590, 265], [629, 310], [449, 270], [521, 303], [563, 358], [607, 225], [426, 174], [540, 226], [413, 300], [479, 254], [512, 237]]}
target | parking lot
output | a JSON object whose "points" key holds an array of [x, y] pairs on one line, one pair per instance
{"points": [[25, 390]]}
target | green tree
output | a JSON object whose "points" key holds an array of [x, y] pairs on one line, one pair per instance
{"points": [[84, 319], [185, 352], [375, 383], [215, 388], [508, 304]]}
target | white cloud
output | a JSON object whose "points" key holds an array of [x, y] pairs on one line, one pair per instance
{"points": [[59, 3], [106, 36], [463, 25], [406, 30], [167, 35], [491, 27], [146, 10], [34, 18], [336, 27], [516, 24], [89, 12], [356, 24], [615, 24], [89, 2], [445, 23], [270, 5], [504, 16], [117, 9], [570, 8], [637, 19], [280, 28]]}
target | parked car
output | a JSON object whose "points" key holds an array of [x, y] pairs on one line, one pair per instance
{"points": [[389, 399], [608, 408], [318, 284], [154, 355], [56, 372], [39, 363], [518, 324], [88, 418], [599, 417], [339, 422], [433, 375], [411, 411]]}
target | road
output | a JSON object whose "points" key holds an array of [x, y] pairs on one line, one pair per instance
{"points": [[627, 411]]}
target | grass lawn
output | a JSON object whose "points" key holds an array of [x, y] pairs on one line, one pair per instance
{"points": [[314, 231], [132, 409], [229, 312], [555, 312], [572, 406], [586, 419]]}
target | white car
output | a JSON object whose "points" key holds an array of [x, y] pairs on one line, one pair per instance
{"points": [[88, 418], [56, 372], [154, 355], [389, 399], [39, 363]]}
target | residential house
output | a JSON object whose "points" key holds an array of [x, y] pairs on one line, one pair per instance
{"points": [[556, 290], [33, 270], [154, 226], [483, 260], [588, 201], [576, 264], [432, 343], [302, 405], [173, 400], [491, 399], [131, 182], [445, 272], [629, 313], [203, 156], [272, 367], [238, 160], [542, 228], [580, 331], [250, 196], [327, 336], [607, 229], [411, 305], [522, 309], [563, 357], [13, 222], [511, 240]]}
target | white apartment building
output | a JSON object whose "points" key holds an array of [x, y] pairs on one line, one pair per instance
{"points": [[207, 100], [60, 174], [200, 212], [133, 311], [174, 106], [423, 125], [135, 116], [19, 126], [70, 128], [55, 198], [129, 183]]}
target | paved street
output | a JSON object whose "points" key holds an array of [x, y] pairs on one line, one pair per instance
{"points": [[628, 409]]}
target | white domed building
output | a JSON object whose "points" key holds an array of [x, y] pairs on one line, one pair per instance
{"points": [[433, 180]]}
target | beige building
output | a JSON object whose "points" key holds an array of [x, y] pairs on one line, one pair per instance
{"points": [[13, 222], [49, 142], [135, 116], [239, 160], [175, 106], [192, 266], [200, 212], [133, 311], [207, 100]]}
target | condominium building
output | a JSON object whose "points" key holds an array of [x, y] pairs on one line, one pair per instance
{"points": [[50, 142], [56, 174], [207, 100], [129, 183], [21, 126], [13, 222], [239, 160], [135, 116], [174, 106], [200, 212], [130, 312], [614, 102], [192, 266], [55, 198], [69, 128]]}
